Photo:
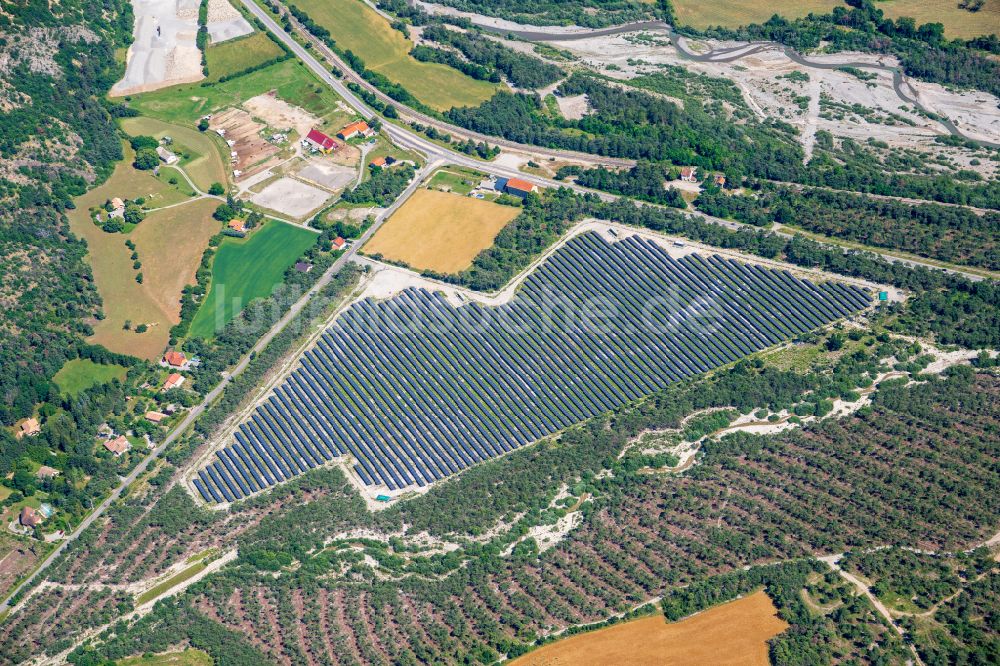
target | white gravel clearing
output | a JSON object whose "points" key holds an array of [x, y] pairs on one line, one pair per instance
{"points": [[291, 197], [225, 22], [164, 52]]}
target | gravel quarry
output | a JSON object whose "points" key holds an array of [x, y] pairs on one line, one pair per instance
{"points": [[165, 52]]}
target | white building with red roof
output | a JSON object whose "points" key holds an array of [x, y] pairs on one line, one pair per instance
{"points": [[320, 141]]}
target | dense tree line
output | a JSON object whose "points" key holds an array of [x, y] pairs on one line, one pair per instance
{"points": [[956, 310], [644, 181], [383, 187], [47, 289], [523, 70], [242, 333], [632, 123], [588, 13], [923, 50], [426, 53], [946, 233]]}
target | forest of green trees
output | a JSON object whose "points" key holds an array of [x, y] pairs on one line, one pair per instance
{"points": [[45, 322], [946, 233]]}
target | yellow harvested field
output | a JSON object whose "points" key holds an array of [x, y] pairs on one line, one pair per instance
{"points": [[440, 231], [957, 22], [170, 243], [734, 13], [733, 634]]}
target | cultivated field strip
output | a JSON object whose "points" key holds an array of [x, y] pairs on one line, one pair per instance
{"points": [[415, 389]]}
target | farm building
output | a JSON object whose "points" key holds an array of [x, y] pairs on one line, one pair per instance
{"points": [[118, 445], [166, 156], [28, 427], [359, 128], [239, 226], [518, 187], [173, 381], [435, 405], [689, 174], [320, 141], [174, 359]]}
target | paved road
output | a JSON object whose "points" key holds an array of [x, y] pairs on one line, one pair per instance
{"points": [[412, 115], [408, 139], [228, 377]]}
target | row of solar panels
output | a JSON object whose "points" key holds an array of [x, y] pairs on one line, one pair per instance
{"points": [[416, 390]]}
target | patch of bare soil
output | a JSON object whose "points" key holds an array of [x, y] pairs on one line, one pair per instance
{"points": [[278, 113], [249, 151]]}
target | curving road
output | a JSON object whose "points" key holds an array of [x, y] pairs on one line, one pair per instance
{"points": [[413, 115]]}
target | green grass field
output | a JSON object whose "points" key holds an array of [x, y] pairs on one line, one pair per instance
{"points": [[189, 657], [238, 54], [169, 583], [245, 269], [82, 373], [185, 104], [357, 27], [200, 152], [459, 181]]}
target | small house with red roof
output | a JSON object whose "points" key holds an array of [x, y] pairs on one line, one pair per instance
{"points": [[118, 445], [339, 243], [239, 226], [30, 518], [155, 417], [518, 187], [174, 359], [321, 141], [689, 174], [174, 380]]}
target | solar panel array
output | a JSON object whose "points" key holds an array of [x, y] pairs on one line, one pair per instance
{"points": [[415, 389]]}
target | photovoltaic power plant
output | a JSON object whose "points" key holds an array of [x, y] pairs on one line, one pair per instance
{"points": [[415, 389]]}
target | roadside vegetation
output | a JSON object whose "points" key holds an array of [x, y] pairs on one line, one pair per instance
{"points": [[247, 269], [956, 235], [355, 27]]}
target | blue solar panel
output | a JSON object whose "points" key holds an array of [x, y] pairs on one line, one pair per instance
{"points": [[414, 389]]}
